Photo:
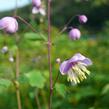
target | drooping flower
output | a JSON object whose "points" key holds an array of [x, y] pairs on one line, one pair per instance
{"points": [[75, 68], [9, 24], [37, 7], [74, 34], [82, 18]]}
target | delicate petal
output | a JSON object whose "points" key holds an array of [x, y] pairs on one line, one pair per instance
{"points": [[77, 57], [35, 10], [87, 62], [36, 3], [13, 26], [2, 25], [82, 19], [42, 11], [80, 58], [64, 67]]}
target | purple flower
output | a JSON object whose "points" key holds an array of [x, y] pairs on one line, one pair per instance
{"points": [[74, 34], [37, 7], [75, 68], [36, 3], [82, 19], [9, 24]]}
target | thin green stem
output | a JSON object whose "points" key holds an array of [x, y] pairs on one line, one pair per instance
{"points": [[56, 79], [37, 100], [65, 27], [17, 75], [30, 26]]}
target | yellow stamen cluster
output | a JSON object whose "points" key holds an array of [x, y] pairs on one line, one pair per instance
{"points": [[77, 73]]}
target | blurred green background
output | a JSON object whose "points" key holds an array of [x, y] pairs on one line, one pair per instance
{"points": [[92, 93]]}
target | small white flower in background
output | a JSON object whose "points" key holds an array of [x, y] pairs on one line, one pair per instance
{"points": [[4, 49], [58, 60], [11, 59], [38, 10], [37, 7]]}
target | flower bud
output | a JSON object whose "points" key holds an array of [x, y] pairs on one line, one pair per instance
{"points": [[36, 3], [11, 59], [74, 34], [58, 60], [37, 7], [82, 19], [4, 49], [9, 24]]}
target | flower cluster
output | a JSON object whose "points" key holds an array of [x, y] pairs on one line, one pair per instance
{"points": [[76, 67]]}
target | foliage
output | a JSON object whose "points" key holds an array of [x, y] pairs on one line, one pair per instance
{"points": [[92, 93]]}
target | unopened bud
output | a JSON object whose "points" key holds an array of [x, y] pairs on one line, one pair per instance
{"points": [[4, 49], [11, 59], [74, 34], [58, 60], [82, 19], [9, 24]]}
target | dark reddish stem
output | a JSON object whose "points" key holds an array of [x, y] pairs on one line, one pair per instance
{"points": [[29, 25], [66, 25], [23, 20], [49, 53]]}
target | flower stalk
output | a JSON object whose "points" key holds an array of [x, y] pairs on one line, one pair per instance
{"points": [[18, 95], [49, 54], [17, 75]]}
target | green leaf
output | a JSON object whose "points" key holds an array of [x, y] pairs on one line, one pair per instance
{"points": [[34, 36], [61, 89], [36, 79], [5, 83], [22, 79], [105, 89]]}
